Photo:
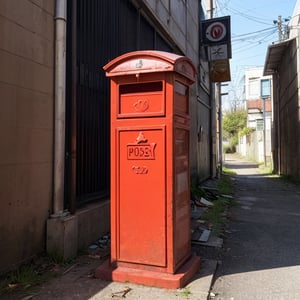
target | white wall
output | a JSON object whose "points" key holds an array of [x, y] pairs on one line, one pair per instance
{"points": [[294, 23]]}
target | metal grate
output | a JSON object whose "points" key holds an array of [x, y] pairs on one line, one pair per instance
{"points": [[98, 31]]}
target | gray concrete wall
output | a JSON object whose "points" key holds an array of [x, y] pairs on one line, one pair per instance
{"points": [[180, 18], [26, 127]]}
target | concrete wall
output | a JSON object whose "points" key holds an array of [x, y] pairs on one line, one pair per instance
{"points": [[26, 127], [252, 147], [180, 18]]}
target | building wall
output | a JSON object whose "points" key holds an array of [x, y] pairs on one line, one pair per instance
{"points": [[26, 127], [253, 77], [289, 112], [26, 120], [180, 18], [294, 21], [253, 145], [201, 135]]}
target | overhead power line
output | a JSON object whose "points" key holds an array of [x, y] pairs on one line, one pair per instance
{"points": [[254, 32], [249, 17]]}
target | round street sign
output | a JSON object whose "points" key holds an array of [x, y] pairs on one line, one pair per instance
{"points": [[215, 31]]}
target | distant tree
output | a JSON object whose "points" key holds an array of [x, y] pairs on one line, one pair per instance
{"points": [[233, 123]]}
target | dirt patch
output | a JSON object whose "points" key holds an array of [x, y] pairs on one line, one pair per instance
{"points": [[70, 280]]}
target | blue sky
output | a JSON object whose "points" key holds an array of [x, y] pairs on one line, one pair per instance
{"points": [[252, 30]]}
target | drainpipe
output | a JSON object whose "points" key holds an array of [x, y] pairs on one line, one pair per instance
{"points": [[60, 107], [213, 141], [278, 123]]}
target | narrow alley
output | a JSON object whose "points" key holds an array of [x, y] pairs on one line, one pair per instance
{"points": [[260, 261], [261, 252]]}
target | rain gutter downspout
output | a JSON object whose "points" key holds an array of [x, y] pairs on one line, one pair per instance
{"points": [[213, 141], [59, 107], [278, 123]]}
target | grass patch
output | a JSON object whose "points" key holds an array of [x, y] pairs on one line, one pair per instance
{"points": [[226, 171], [33, 274], [186, 292], [23, 278], [225, 184], [266, 170], [216, 215]]}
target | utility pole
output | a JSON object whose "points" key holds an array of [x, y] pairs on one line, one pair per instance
{"points": [[279, 26], [282, 28], [211, 9]]}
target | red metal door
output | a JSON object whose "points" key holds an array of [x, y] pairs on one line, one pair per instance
{"points": [[141, 196]]}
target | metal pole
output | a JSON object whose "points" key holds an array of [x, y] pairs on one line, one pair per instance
{"points": [[73, 171], [60, 107], [264, 132], [279, 24], [220, 129], [211, 9]]}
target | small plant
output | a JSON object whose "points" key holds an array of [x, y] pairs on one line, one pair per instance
{"points": [[197, 192], [227, 171], [225, 184], [23, 278], [186, 292], [215, 215], [246, 131]]}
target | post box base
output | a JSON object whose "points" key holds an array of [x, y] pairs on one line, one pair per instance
{"points": [[150, 278]]}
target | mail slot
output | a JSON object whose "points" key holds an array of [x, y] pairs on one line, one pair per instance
{"points": [[150, 181]]}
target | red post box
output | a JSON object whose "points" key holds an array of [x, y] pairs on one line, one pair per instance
{"points": [[150, 182]]}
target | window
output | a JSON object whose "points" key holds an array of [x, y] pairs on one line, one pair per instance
{"points": [[265, 88], [260, 125]]}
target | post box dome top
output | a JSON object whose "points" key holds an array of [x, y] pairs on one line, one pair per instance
{"points": [[138, 62]]}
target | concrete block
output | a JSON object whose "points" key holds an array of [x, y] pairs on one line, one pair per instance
{"points": [[62, 236], [93, 222]]}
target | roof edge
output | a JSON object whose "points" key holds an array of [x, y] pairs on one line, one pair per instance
{"points": [[274, 55]]}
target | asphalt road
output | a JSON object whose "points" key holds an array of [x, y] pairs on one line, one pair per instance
{"points": [[262, 250]]}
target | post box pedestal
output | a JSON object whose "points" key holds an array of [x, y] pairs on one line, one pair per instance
{"points": [[150, 180], [150, 278]]}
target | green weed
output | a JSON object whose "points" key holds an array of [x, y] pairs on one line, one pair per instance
{"points": [[215, 215], [23, 278], [225, 185], [186, 292], [226, 171]]}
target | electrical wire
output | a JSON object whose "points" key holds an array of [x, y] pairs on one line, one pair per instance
{"points": [[248, 17], [245, 42], [254, 32], [254, 42]]}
